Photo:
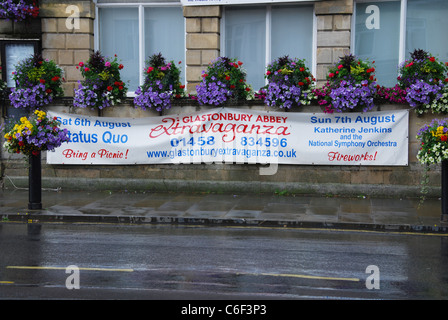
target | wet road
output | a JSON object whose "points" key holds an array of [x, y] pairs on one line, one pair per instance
{"points": [[175, 262]]}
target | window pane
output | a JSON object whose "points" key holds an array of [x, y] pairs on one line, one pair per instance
{"points": [[119, 35], [292, 32], [377, 38], [245, 40], [14, 54], [165, 33], [427, 26]]}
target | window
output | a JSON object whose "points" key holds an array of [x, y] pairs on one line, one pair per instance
{"points": [[256, 35], [136, 31], [388, 31], [13, 52]]}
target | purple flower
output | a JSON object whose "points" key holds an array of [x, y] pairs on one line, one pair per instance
{"points": [[29, 98], [421, 93], [152, 98]]}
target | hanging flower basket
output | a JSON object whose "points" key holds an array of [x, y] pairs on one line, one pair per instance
{"points": [[30, 136], [425, 79], [351, 86], [223, 80], [18, 10], [102, 85], [290, 83], [38, 82], [162, 83]]}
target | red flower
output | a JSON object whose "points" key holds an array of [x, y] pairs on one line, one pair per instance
{"points": [[120, 88], [232, 87], [443, 138], [120, 66], [48, 90], [42, 81], [240, 63], [269, 72], [86, 69], [21, 143], [446, 80], [204, 75], [341, 66], [227, 78], [331, 75], [150, 69], [302, 69], [35, 152], [301, 83], [432, 59], [109, 88], [182, 86], [81, 64], [247, 89], [55, 78]]}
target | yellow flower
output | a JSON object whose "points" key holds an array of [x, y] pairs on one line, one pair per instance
{"points": [[285, 71], [104, 75], [357, 70]]}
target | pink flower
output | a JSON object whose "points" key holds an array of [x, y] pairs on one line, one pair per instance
{"points": [[107, 64]]}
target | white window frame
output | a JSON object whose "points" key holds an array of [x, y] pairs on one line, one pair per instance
{"points": [[268, 37], [141, 27]]}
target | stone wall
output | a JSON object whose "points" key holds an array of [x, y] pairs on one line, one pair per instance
{"points": [[65, 43], [333, 34]]}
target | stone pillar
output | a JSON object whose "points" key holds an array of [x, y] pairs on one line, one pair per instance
{"points": [[203, 41], [333, 34], [65, 39]]}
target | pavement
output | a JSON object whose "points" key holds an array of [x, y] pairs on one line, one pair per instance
{"points": [[248, 210]]}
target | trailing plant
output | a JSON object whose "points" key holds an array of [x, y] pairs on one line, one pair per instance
{"points": [[162, 83], [102, 85], [38, 82], [32, 135], [290, 83], [351, 85], [18, 10], [424, 78], [223, 79]]}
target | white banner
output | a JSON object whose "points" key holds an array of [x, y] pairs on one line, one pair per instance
{"points": [[237, 136], [227, 2]]}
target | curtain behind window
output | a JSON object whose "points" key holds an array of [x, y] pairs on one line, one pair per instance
{"points": [[118, 28], [14, 54], [165, 33], [292, 32], [379, 40], [245, 40], [427, 27]]}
